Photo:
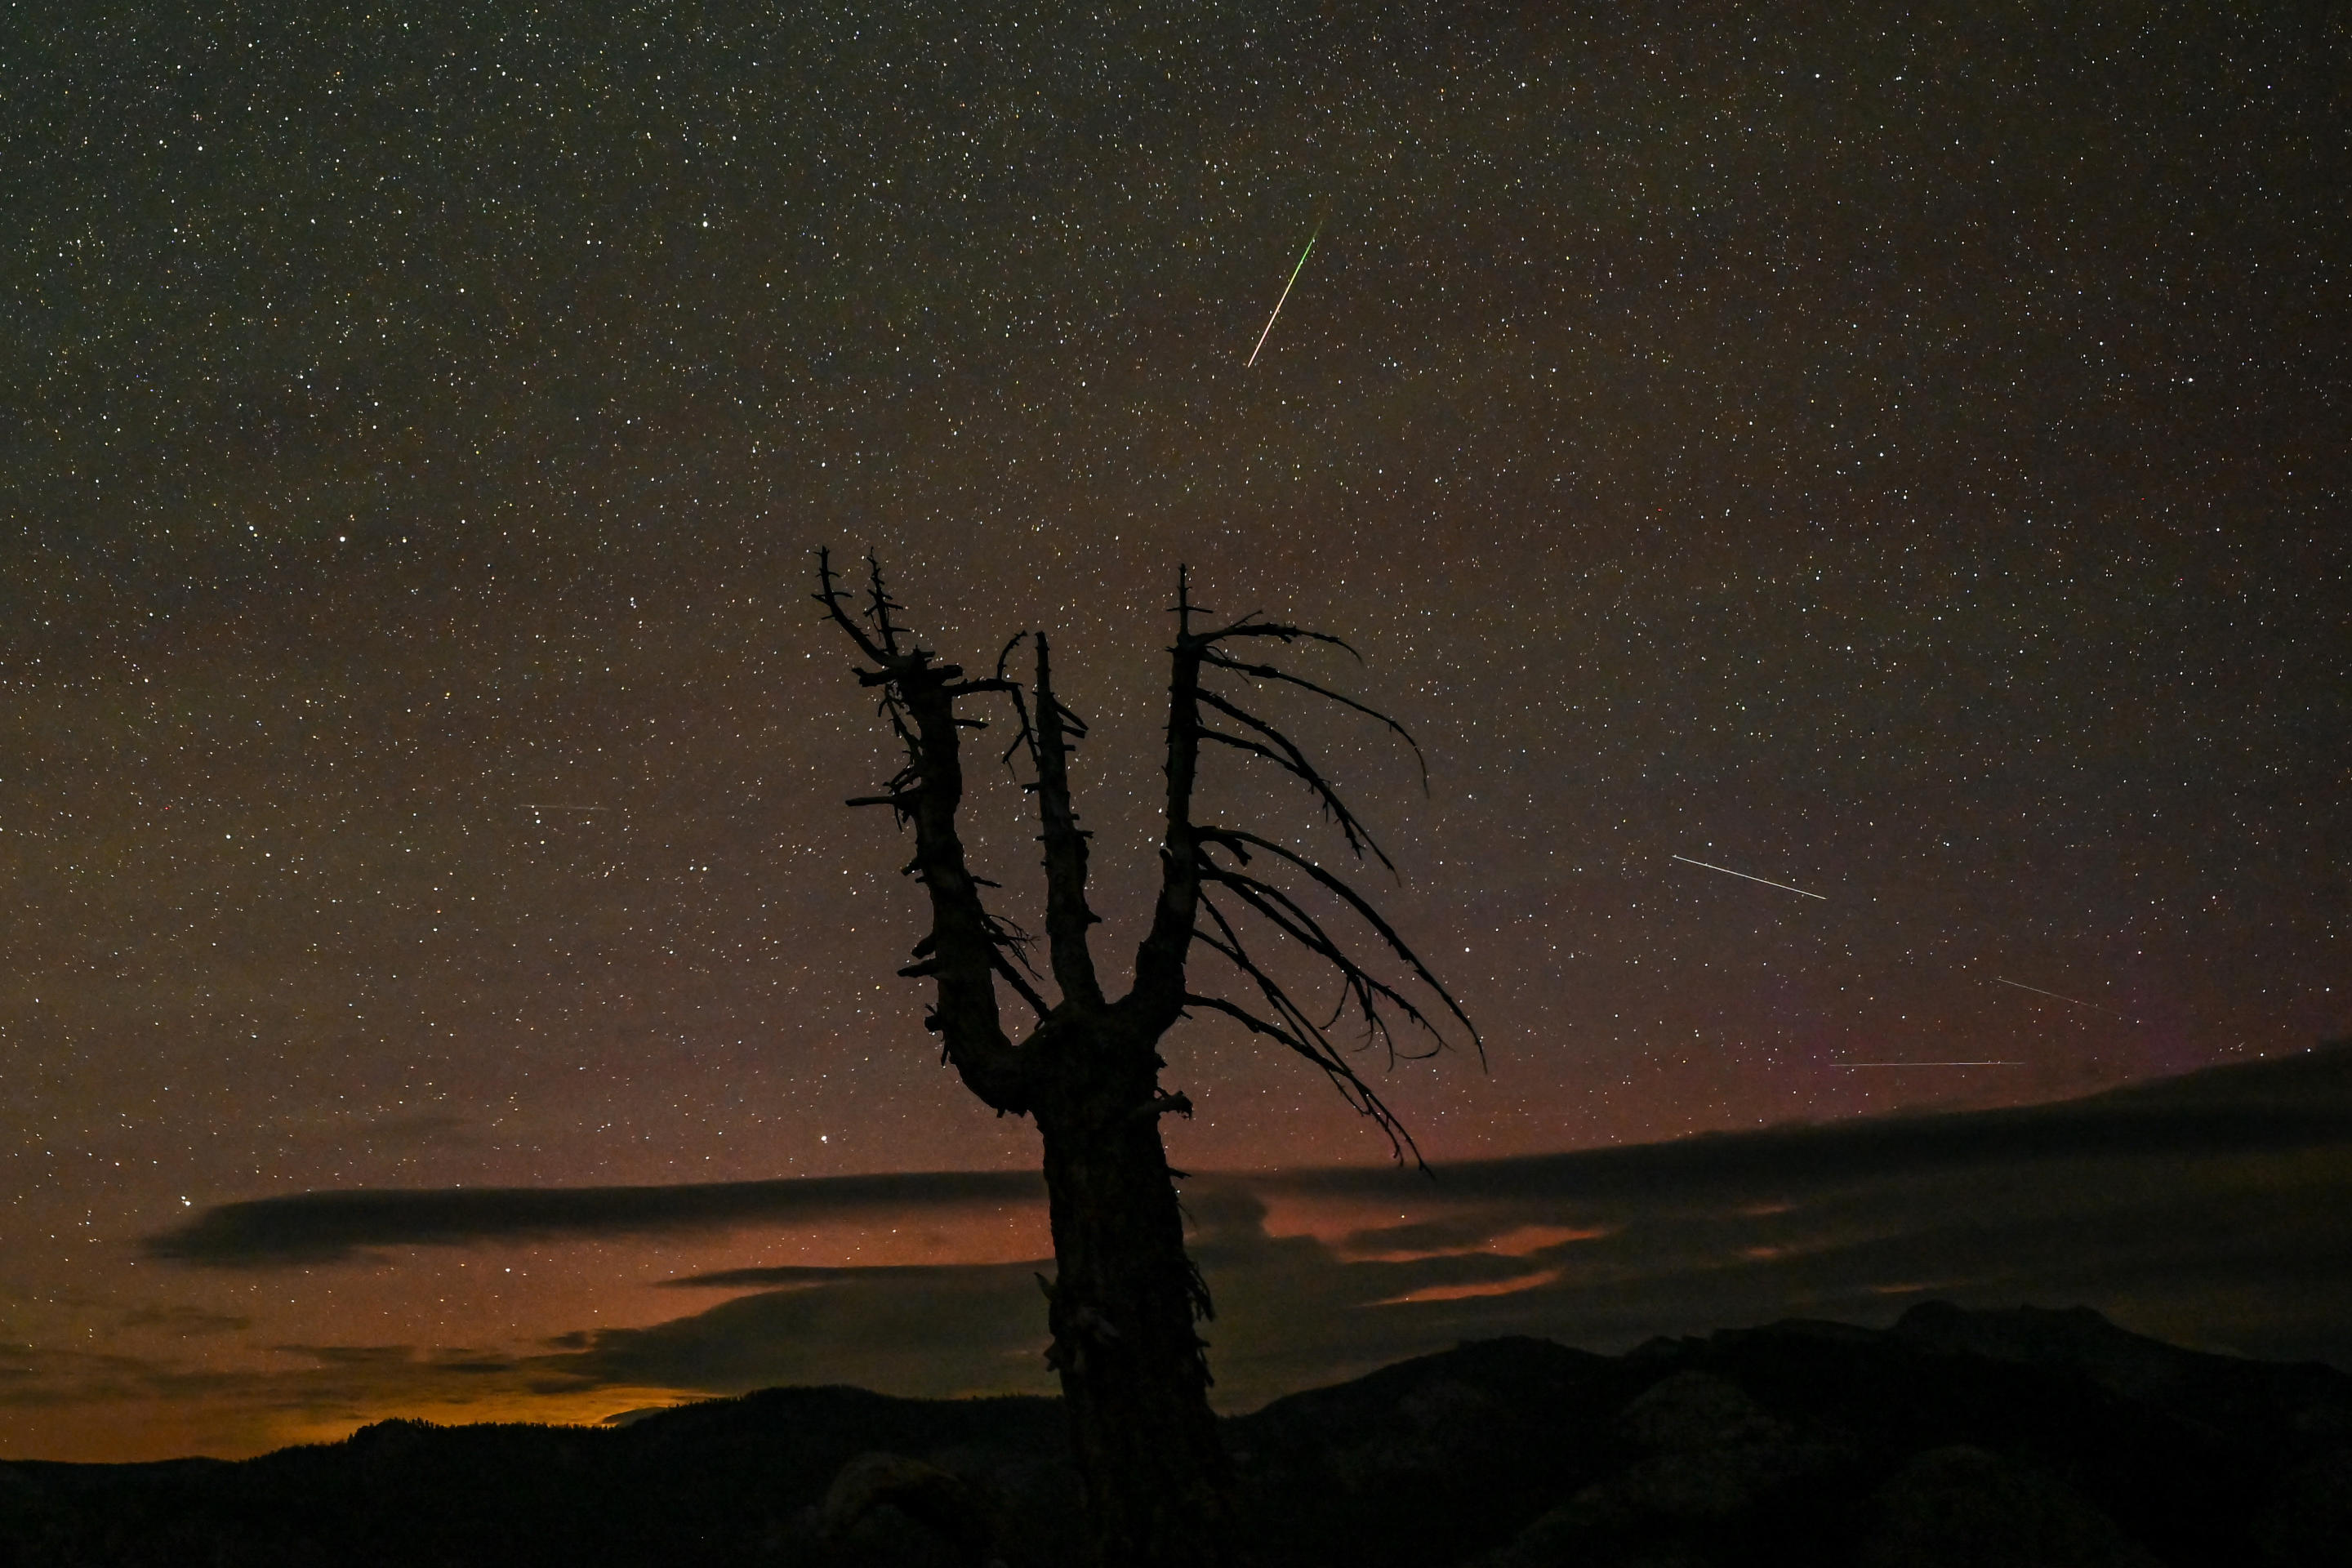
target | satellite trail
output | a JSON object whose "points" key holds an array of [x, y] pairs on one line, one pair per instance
{"points": [[2077, 1001], [1746, 878]]}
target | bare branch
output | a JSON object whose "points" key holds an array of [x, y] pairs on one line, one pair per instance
{"points": [[903, 803], [1066, 914], [1268, 672], [972, 688], [1021, 986], [1361, 986], [1026, 738], [1004, 656], [831, 597], [879, 603], [1249, 626], [1231, 836], [1159, 988], [1358, 1093], [963, 951], [1293, 759], [1299, 1033]]}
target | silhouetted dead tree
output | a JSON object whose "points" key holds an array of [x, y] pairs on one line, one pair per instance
{"points": [[1126, 1297]]}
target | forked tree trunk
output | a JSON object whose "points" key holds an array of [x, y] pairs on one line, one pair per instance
{"points": [[1123, 1307], [1135, 1374]]}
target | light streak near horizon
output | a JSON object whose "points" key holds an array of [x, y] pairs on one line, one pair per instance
{"points": [[1745, 877], [1989, 1064], [2053, 996], [1286, 292]]}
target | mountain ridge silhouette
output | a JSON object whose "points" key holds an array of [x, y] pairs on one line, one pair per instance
{"points": [[2023, 1434]]}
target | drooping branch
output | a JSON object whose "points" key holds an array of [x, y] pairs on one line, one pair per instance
{"points": [[1225, 660], [1358, 985], [1234, 838], [1293, 760], [1249, 626], [1353, 1089], [1298, 1032]]}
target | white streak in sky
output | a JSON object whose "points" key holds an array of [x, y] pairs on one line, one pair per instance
{"points": [[1745, 877], [2037, 989], [1286, 293]]}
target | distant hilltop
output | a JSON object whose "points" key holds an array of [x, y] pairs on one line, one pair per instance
{"points": [[2027, 1437]]}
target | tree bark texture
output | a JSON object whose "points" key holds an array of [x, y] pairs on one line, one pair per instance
{"points": [[1123, 1308]]}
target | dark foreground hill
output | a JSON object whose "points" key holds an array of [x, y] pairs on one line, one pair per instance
{"points": [[2042, 1439]]}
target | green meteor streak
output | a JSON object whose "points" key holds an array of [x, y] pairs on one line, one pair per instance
{"points": [[1285, 290]]}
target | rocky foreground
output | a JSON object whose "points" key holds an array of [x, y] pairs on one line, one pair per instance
{"points": [[2027, 1438]]}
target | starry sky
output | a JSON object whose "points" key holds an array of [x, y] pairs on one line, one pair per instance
{"points": [[1898, 454]]}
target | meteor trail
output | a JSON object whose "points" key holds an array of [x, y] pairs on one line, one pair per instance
{"points": [[1930, 1064], [2077, 1001], [1746, 878], [1286, 292]]}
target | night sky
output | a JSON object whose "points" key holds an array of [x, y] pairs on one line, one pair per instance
{"points": [[1898, 454]]}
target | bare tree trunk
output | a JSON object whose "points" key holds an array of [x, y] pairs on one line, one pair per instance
{"points": [[1124, 1303]]}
